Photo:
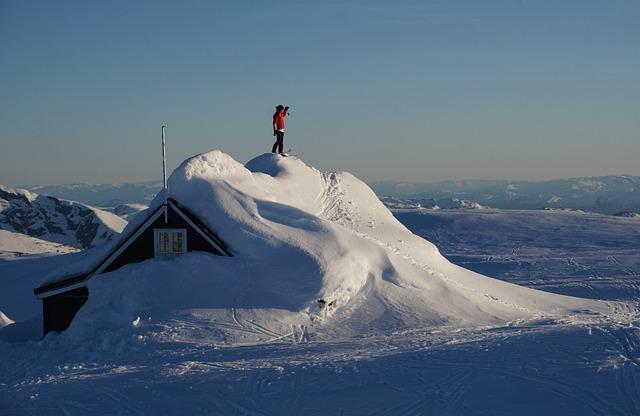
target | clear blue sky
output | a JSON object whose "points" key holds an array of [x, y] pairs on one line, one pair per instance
{"points": [[398, 90]]}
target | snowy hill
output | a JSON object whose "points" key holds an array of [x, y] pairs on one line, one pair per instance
{"points": [[16, 245], [51, 219], [602, 194], [127, 210], [299, 235]]}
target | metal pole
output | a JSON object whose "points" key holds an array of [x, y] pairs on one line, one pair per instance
{"points": [[164, 178]]}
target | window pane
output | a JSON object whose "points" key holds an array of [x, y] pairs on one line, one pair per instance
{"points": [[163, 241], [178, 243]]}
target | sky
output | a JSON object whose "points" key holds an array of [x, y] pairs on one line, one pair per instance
{"points": [[389, 90]]}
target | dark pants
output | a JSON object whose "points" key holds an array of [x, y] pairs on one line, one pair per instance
{"points": [[279, 142]]}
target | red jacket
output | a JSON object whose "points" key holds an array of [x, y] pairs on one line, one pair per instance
{"points": [[278, 119]]}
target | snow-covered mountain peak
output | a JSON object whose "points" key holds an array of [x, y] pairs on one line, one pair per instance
{"points": [[52, 219], [588, 184], [626, 179]]}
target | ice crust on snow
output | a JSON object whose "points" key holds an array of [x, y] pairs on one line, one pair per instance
{"points": [[298, 235]]}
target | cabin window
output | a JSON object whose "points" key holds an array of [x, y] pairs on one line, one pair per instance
{"points": [[169, 242]]}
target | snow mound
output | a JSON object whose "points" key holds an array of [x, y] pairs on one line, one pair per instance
{"points": [[208, 166], [299, 235]]}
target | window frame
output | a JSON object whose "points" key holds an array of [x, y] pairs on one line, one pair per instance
{"points": [[171, 232]]}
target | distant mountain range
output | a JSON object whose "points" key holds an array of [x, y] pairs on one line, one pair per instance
{"points": [[103, 195], [602, 194], [51, 219], [429, 203]]}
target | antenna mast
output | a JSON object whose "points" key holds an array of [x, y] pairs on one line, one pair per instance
{"points": [[164, 179]]}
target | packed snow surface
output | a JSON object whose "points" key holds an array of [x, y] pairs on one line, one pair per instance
{"points": [[299, 235]]}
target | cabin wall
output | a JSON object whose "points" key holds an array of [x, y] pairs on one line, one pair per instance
{"points": [[143, 247], [59, 310]]}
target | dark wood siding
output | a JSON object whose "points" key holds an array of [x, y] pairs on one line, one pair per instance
{"points": [[143, 247], [59, 310]]}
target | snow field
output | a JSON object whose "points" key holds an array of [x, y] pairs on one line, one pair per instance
{"points": [[411, 333]]}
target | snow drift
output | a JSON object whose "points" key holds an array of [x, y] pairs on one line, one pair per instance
{"points": [[299, 235]]}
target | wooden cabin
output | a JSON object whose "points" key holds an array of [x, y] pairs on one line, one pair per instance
{"points": [[169, 230]]}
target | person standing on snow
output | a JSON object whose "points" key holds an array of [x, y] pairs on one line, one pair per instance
{"points": [[278, 127]]}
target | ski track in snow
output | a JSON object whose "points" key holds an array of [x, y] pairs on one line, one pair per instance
{"points": [[412, 373]]}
